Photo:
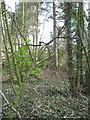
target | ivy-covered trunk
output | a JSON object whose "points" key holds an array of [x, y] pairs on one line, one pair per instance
{"points": [[68, 12], [80, 37], [0, 64]]}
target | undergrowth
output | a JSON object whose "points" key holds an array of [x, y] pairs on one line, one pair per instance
{"points": [[44, 98]]}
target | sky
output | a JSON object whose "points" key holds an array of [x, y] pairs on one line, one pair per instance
{"points": [[11, 3]]}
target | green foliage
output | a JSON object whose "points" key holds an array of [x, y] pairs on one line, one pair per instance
{"points": [[23, 49], [37, 71], [24, 63], [28, 40], [48, 102]]}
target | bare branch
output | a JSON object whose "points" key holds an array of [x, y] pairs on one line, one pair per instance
{"points": [[9, 105]]}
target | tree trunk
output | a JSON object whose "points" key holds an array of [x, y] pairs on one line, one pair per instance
{"points": [[0, 64], [68, 10], [80, 36], [54, 35], [88, 74], [36, 25]]}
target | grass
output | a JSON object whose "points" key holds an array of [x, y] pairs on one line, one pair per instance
{"points": [[46, 98]]}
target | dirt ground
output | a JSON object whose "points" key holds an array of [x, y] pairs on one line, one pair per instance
{"points": [[48, 74]]}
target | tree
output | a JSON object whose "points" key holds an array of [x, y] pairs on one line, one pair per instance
{"points": [[10, 42], [68, 12], [88, 72], [0, 62], [54, 36], [80, 37], [36, 28]]}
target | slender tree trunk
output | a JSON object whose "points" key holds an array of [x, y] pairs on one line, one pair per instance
{"points": [[33, 40], [89, 31], [54, 35], [13, 29], [88, 72], [37, 21], [23, 22], [81, 36], [0, 48], [0, 64]]}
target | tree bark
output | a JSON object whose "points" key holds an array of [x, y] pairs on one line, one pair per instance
{"points": [[54, 35], [80, 35], [0, 64], [68, 10], [36, 26], [88, 74]]}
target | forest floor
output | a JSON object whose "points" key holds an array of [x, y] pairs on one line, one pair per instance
{"points": [[46, 98], [46, 74]]}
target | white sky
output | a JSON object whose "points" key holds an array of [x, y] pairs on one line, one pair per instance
{"points": [[11, 3]]}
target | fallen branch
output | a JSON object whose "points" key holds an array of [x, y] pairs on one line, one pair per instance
{"points": [[9, 105], [36, 109]]}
